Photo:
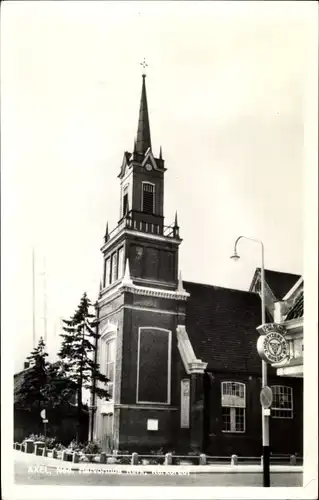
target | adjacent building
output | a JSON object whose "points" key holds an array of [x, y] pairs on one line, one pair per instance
{"points": [[181, 356]]}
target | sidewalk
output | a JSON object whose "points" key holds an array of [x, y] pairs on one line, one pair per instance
{"points": [[52, 463]]}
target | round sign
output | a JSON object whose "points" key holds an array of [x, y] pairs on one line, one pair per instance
{"points": [[266, 397], [273, 347]]}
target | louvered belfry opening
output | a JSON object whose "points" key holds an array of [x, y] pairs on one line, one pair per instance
{"points": [[148, 198]]}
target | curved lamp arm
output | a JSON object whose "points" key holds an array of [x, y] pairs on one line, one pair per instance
{"points": [[262, 274]]}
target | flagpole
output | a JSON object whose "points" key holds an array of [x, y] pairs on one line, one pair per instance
{"points": [[33, 297]]}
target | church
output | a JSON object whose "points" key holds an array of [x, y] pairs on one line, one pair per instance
{"points": [[181, 359]]}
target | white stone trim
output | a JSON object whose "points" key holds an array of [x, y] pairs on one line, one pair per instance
{"points": [[154, 292], [169, 362], [291, 371], [108, 333], [293, 324], [291, 292], [191, 363], [149, 157]]}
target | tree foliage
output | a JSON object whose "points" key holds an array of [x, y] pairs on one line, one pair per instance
{"points": [[43, 384], [78, 349]]}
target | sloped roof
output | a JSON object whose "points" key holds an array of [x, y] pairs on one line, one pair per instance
{"points": [[279, 282], [221, 324], [297, 309]]}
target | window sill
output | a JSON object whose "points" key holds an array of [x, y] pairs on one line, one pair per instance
{"points": [[234, 432]]}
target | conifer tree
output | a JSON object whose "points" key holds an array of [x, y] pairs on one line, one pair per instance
{"points": [[30, 394], [77, 354], [44, 384]]}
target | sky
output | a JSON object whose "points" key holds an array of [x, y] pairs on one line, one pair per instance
{"points": [[226, 85]]}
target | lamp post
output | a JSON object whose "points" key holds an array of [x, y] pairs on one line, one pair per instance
{"points": [[265, 417]]}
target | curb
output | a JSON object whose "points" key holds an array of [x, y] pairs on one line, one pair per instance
{"points": [[95, 468]]}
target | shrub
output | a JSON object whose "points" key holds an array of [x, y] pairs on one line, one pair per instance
{"points": [[89, 448], [92, 448], [50, 442]]}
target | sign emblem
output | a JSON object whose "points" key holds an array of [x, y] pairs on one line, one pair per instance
{"points": [[273, 347]]}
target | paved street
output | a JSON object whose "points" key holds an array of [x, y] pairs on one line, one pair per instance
{"points": [[30, 472]]}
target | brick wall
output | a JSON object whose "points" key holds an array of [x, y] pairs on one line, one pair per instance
{"points": [[285, 434]]}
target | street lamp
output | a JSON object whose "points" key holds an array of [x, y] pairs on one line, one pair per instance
{"points": [[265, 417]]}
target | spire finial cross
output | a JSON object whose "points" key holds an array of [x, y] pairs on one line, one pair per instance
{"points": [[144, 65]]}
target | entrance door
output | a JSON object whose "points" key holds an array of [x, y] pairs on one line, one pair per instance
{"points": [[107, 439]]}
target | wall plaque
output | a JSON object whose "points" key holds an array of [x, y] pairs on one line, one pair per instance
{"points": [[185, 403]]}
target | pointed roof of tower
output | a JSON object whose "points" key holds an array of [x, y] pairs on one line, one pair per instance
{"points": [[176, 223], [106, 236], [143, 141]]}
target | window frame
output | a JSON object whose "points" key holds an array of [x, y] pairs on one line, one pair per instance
{"points": [[108, 335], [235, 410], [144, 183], [107, 282], [288, 412], [120, 272], [107, 363]]}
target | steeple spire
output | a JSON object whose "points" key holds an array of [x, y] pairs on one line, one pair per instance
{"points": [[143, 141], [106, 236]]}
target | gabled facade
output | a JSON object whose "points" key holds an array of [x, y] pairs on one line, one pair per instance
{"points": [[181, 357], [284, 300]]}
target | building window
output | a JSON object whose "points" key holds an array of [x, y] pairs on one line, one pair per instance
{"points": [[148, 198], [233, 406], [114, 267], [282, 405], [125, 204], [120, 263], [110, 365], [107, 272]]}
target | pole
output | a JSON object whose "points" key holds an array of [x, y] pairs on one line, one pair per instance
{"points": [[33, 298], [45, 429], [45, 319], [265, 418]]}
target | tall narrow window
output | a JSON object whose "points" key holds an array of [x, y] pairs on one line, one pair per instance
{"points": [[233, 406], [110, 366], [125, 204], [107, 272], [148, 198], [282, 402], [120, 263], [114, 267]]}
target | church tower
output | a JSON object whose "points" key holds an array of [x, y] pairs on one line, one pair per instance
{"points": [[140, 304]]}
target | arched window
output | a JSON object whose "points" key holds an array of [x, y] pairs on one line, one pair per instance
{"points": [[282, 405], [107, 356], [148, 197], [233, 400]]}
